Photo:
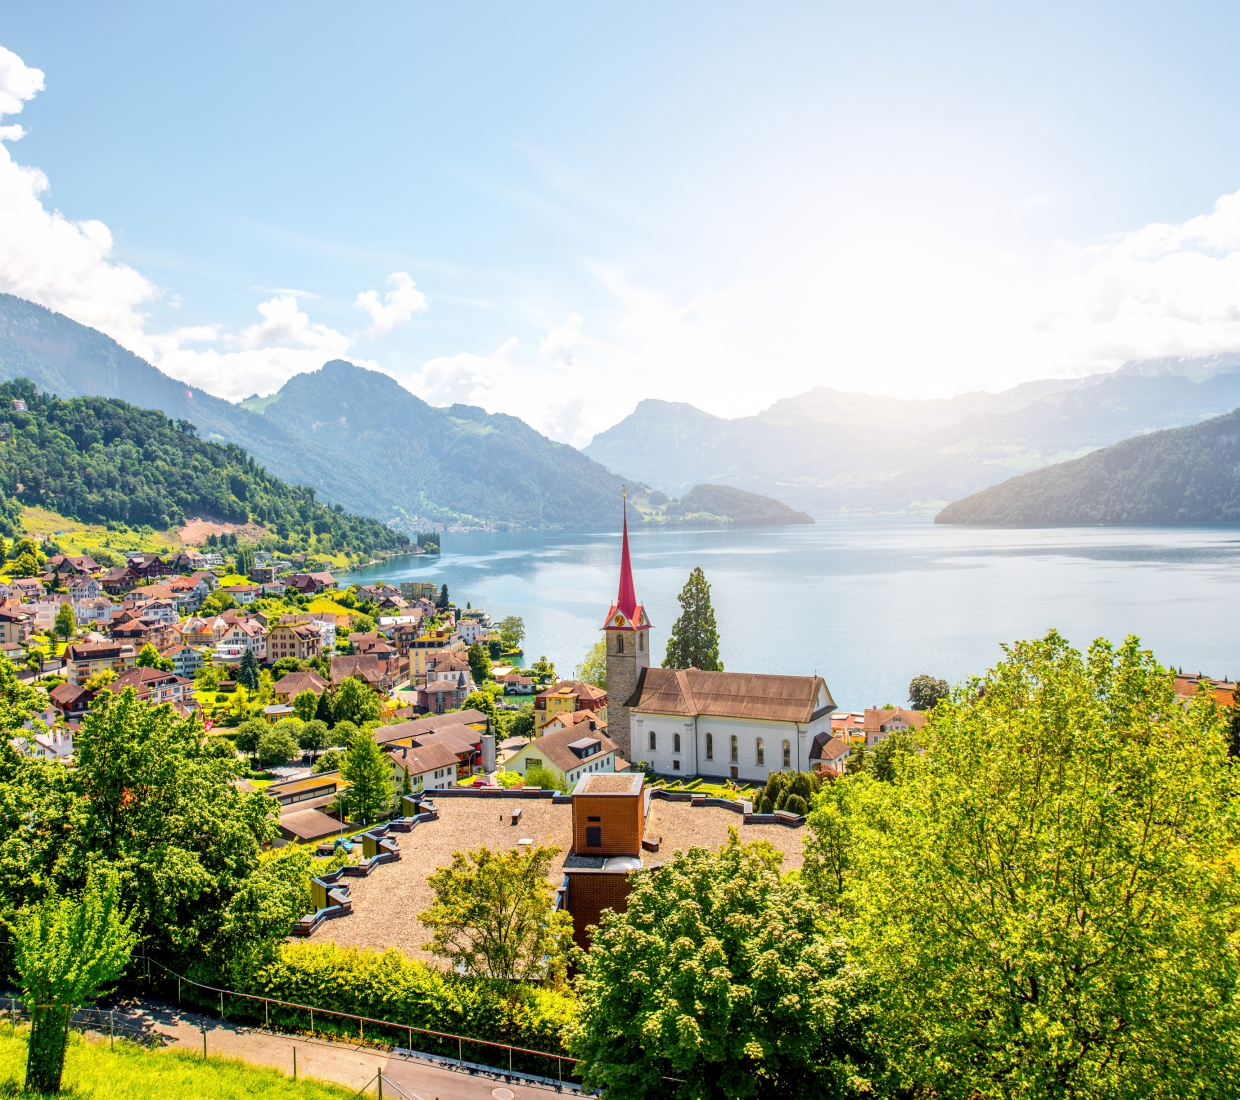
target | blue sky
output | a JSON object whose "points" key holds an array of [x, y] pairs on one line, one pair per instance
{"points": [[562, 209]]}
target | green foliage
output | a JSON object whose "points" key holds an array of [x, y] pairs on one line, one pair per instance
{"points": [[479, 663], [542, 671], [306, 705], [512, 631], [354, 702], [329, 762], [493, 916], [314, 736], [284, 666], [482, 701], [66, 950], [781, 786], [101, 460], [508, 780], [280, 743], [363, 624], [925, 691], [1045, 896], [216, 604], [66, 624], [369, 773], [694, 642], [523, 723], [444, 602], [25, 565], [593, 667], [544, 778], [719, 973], [343, 733], [149, 657], [248, 733], [247, 674]]}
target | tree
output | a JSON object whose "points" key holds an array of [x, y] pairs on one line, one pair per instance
{"points": [[1045, 895], [719, 973], [542, 670], [248, 734], [694, 642], [25, 565], [306, 705], [343, 733], [443, 602], [217, 603], [362, 624], [523, 722], [100, 680], [328, 762], [512, 631], [323, 710], [66, 624], [284, 666], [479, 663], [65, 950], [544, 778], [593, 667], [482, 701], [369, 773], [314, 737], [925, 691], [279, 744], [247, 674], [149, 658], [791, 791], [493, 915], [355, 702]]}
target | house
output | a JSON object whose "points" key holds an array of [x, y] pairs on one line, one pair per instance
{"points": [[432, 645], [462, 741], [309, 583], [243, 593], [189, 592], [292, 684], [381, 674], [420, 590], [53, 745], [148, 565], [27, 588], [186, 560], [582, 719], [159, 611], [446, 662], [84, 660], [308, 792], [118, 581], [474, 720], [153, 685], [130, 628], [569, 752], [203, 632], [185, 660], [402, 629], [207, 577], [736, 725], [515, 684], [272, 588], [430, 766], [15, 627], [306, 826], [68, 565], [445, 691], [245, 635], [84, 588], [1187, 687], [880, 722], [472, 631], [377, 592], [72, 700], [372, 644], [569, 695], [325, 623], [299, 640], [828, 755], [98, 610]]}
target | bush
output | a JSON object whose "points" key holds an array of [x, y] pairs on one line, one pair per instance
{"points": [[508, 780], [328, 762], [546, 779], [782, 786], [795, 804]]}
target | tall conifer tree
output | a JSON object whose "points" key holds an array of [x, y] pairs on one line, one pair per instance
{"points": [[695, 637]]}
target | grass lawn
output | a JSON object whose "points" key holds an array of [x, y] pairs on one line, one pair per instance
{"points": [[326, 605], [93, 1072], [81, 538]]}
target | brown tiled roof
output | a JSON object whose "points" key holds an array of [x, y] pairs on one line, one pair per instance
{"points": [[67, 695], [729, 695], [573, 717], [82, 651], [308, 825], [554, 746], [876, 719], [578, 688], [426, 756], [828, 748], [296, 682], [138, 678], [400, 730]]}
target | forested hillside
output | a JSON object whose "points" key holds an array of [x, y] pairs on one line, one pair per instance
{"points": [[100, 460], [1185, 475]]}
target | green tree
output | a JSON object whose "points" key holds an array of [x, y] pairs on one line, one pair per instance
{"points": [[247, 674], [479, 663], [343, 733], [593, 667], [719, 973], [694, 642], [925, 691], [25, 565], [328, 762], [284, 666], [512, 631], [217, 603], [362, 624], [482, 701], [443, 602], [66, 624], [306, 705], [278, 744], [523, 722], [66, 950], [543, 671], [354, 701], [323, 710], [369, 773], [314, 737], [493, 915], [545, 779], [1045, 895], [248, 733], [149, 657]]}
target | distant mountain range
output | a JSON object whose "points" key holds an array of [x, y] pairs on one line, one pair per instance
{"points": [[356, 436], [715, 505], [830, 452], [1186, 475]]}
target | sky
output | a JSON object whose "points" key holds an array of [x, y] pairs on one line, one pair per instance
{"points": [[557, 210]]}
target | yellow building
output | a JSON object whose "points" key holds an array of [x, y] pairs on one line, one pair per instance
{"points": [[432, 645]]}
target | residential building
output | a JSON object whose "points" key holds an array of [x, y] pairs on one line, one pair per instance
{"points": [[186, 560], [189, 592], [1187, 687], [422, 649], [378, 592], [568, 752], [734, 725], [185, 660], [372, 644], [53, 745], [84, 588], [129, 627], [462, 741], [148, 565], [243, 593], [72, 700], [431, 766], [27, 588], [570, 695], [206, 576], [829, 754], [881, 721], [292, 684], [159, 611], [153, 685], [67, 565], [84, 660], [444, 691], [418, 728], [246, 634], [15, 627], [118, 581], [381, 674], [299, 640], [307, 583], [472, 631], [325, 623], [582, 719], [308, 792], [98, 610], [419, 590], [203, 632], [402, 629]]}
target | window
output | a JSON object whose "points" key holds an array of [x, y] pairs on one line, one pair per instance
{"points": [[594, 836], [761, 753], [675, 742], [594, 818], [641, 640], [710, 746], [675, 765], [735, 753], [787, 755], [652, 741], [619, 643]]}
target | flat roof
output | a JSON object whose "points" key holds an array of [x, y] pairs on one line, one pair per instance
{"points": [[610, 783]]}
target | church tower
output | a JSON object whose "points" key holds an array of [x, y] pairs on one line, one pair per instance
{"points": [[627, 632]]}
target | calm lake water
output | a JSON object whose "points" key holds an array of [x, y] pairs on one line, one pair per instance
{"points": [[868, 604]]}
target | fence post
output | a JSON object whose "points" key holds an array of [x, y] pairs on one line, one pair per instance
{"points": [[112, 1029], [411, 1040], [221, 1004], [459, 1056], [559, 1069], [312, 1022], [266, 1013], [380, 1085], [294, 1063], [178, 992], [510, 1061], [204, 1044]]}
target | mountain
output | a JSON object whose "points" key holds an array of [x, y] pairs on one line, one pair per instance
{"points": [[356, 436], [830, 452], [713, 506], [1186, 475], [101, 460]]}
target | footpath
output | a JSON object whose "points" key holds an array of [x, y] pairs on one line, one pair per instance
{"points": [[416, 1078]]}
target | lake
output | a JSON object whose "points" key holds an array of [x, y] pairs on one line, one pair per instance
{"points": [[867, 604]]}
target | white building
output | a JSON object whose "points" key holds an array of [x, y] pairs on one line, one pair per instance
{"points": [[733, 725], [473, 631]]}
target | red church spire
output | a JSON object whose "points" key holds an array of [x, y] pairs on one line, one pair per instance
{"points": [[626, 601]]}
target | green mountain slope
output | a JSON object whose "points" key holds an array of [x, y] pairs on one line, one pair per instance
{"points": [[741, 508], [356, 436], [1185, 475], [100, 459]]}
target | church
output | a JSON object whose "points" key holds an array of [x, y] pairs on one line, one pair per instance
{"points": [[719, 725]]}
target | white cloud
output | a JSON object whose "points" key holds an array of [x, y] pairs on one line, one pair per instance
{"points": [[557, 347], [398, 305], [284, 323], [468, 379], [18, 82]]}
